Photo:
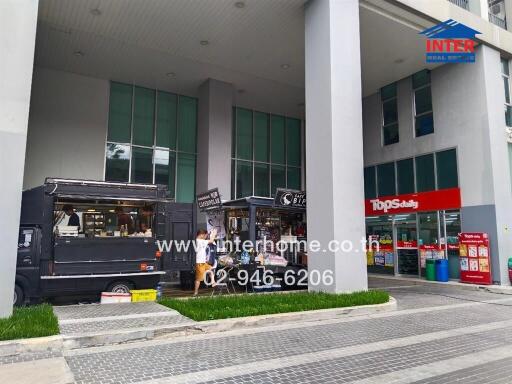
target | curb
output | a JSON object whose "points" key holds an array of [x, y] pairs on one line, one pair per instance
{"points": [[61, 343], [33, 345], [215, 326], [499, 289]]}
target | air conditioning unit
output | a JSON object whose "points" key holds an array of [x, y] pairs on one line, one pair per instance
{"points": [[498, 10]]}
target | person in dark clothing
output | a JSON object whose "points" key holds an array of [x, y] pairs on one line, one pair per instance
{"points": [[124, 219], [74, 220]]}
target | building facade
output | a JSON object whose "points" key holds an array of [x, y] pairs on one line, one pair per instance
{"points": [[329, 96]]}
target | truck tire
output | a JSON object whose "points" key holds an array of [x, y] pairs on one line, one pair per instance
{"points": [[19, 297], [120, 287]]}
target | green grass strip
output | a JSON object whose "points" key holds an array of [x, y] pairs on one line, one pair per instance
{"points": [[224, 307], [26, 322]]}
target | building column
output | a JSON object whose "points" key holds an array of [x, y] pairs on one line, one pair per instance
{"points": [[214, 139], [499, 163], [18, 21], [334, 144]]}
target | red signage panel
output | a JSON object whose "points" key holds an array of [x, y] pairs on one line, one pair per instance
{"points": [[474, 258], [414, 202]]}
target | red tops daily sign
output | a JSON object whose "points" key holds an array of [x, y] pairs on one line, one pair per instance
{"points": [[414, 202]]}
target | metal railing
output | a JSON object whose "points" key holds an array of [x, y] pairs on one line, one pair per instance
{"points": [[461, 3], [502, 23]]}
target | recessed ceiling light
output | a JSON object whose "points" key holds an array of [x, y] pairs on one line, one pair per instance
{"points": [[204, 42], [285, 66], [95, 12], [240, 4], [78, 53], [170, 74]]}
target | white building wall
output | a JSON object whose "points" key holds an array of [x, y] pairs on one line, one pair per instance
{"points": [[460, 121], [67, 127]]}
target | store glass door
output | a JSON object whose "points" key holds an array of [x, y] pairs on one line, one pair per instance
{"points": [[450, 228], [406, 240]]}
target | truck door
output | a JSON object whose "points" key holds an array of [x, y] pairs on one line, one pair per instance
{"points": [[27, 264], [180, 229]]}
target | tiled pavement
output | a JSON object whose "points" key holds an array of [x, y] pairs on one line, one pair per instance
{"points": [[438, 335], [96, 318]]}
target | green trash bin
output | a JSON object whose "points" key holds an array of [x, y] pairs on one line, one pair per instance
{"points": [[430, 270]]}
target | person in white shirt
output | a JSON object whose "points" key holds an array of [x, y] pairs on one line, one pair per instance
{"points": [[202, 266]]}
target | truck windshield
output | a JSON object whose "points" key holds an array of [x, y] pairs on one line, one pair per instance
{"points": [[103, 219]]}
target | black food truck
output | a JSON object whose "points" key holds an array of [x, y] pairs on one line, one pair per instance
{"points": [[80, 237]]}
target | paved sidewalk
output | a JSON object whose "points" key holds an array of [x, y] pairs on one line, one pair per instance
{"points": [[439, 334], [91, 319]]}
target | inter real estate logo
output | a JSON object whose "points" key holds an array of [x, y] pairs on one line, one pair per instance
{"points": [[450, 42]]}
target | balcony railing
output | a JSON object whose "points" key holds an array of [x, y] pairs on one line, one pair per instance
{"points": [[461, 3], [502, 23]]}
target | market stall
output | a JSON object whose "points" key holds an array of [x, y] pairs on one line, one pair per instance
{"points": [[262, 244]]}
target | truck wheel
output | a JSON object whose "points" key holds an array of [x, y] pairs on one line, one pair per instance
{"points": [[120, 287], [19, 297]]}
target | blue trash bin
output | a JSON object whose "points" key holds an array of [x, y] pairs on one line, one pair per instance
{"points": [[442, 270]]}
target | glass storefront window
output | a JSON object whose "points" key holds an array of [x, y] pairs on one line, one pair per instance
{"points": [[244, 133], [446, 165], [451, 226], [277, 140], [380, 250], [405, 176], [118, 162], [136, 153], [261, 136], [278, 178], [293, 178], [142, 165], [244, 179], [165, 169], [166, 120], [425, 175], [293, 144], [386, 179], [370, 187], [143, 116], [261, 179], [269, 146], [120, 113], [428, 229]]}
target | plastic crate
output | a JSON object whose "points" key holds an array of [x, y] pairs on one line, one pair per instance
{"points": [[139, 295]]}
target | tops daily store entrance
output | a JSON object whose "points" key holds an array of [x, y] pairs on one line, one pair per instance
{"points": [[406, 230]]}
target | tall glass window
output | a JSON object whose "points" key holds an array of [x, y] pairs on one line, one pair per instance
{"points": [[389, 100], [424, 117], [505, 75], [386, 179], [152, 139], [446, 166], [405, 176], [266, 153], [370, 186], [425, 175]]}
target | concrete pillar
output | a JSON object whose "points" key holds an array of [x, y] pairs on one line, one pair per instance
{"points": [[334, 150], [499, 164], [214, 139], [18, 20]]}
